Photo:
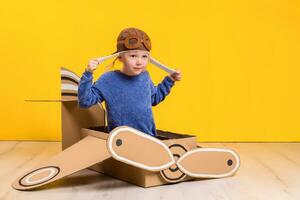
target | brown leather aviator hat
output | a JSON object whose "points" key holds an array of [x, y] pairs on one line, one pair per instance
{"points": [[133, 39]]}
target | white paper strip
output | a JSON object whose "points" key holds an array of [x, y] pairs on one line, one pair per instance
{"points": [[68, 73], [151, 59], [66, 86], [161, 66]]}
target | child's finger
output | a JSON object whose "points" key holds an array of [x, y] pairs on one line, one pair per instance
{"points": [[176, 74], [94, 62], [176, 71], [99, 60]]}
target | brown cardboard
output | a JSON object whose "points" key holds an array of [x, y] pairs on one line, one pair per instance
{"points": [[75, 118], [139, 176], [136, 148], [217, 163], [64, 163], [173, 157]]}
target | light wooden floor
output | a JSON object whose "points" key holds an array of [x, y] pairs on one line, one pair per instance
{"points": [[269, 171]]}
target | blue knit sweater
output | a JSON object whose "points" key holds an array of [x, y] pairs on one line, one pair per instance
{"points": [[128, 99]]}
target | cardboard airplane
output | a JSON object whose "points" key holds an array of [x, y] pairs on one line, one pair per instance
{"points": [[124, 153]]}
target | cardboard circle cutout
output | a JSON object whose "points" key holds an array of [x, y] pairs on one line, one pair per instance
{"points": [[173, 173], [39, 176]]}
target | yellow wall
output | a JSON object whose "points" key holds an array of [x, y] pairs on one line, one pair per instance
{"points": [[240, 63]]}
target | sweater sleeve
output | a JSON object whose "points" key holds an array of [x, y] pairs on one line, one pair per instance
{"points": [[159, 92], [88, 93]]}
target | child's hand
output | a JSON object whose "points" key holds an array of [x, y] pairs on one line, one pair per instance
{"points": [[92, 66], [176, 76]]}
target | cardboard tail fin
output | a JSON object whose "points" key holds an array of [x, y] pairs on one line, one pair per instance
{"points": [[209, 163], [69, 84], [65, 163]]}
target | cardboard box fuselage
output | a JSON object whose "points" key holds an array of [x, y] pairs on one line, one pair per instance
{"points": [[79, 122]]}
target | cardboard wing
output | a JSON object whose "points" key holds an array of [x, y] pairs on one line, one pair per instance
{"points": [[133, 147]]}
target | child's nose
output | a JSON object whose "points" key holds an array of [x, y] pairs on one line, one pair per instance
{"points": [[139, 61]]}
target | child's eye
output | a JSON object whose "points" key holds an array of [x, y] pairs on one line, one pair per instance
{"points": [[132, 56], [145, 56]]}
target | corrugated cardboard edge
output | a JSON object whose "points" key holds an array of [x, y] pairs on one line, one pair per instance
{"points": [[131, 174]]}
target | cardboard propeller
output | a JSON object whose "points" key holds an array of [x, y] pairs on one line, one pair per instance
{"points": [[209, 163], [132, 147]]}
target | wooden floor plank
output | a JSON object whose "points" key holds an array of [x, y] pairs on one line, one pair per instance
{"points": [[268, 171]]}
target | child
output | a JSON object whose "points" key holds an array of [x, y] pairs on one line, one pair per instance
{"points": [[129, 93]]}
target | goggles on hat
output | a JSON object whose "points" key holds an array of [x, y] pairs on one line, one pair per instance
{"points": [[134, 42]]}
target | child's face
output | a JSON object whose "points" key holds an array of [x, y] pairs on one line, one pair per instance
{"points": [[134, 62]]}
